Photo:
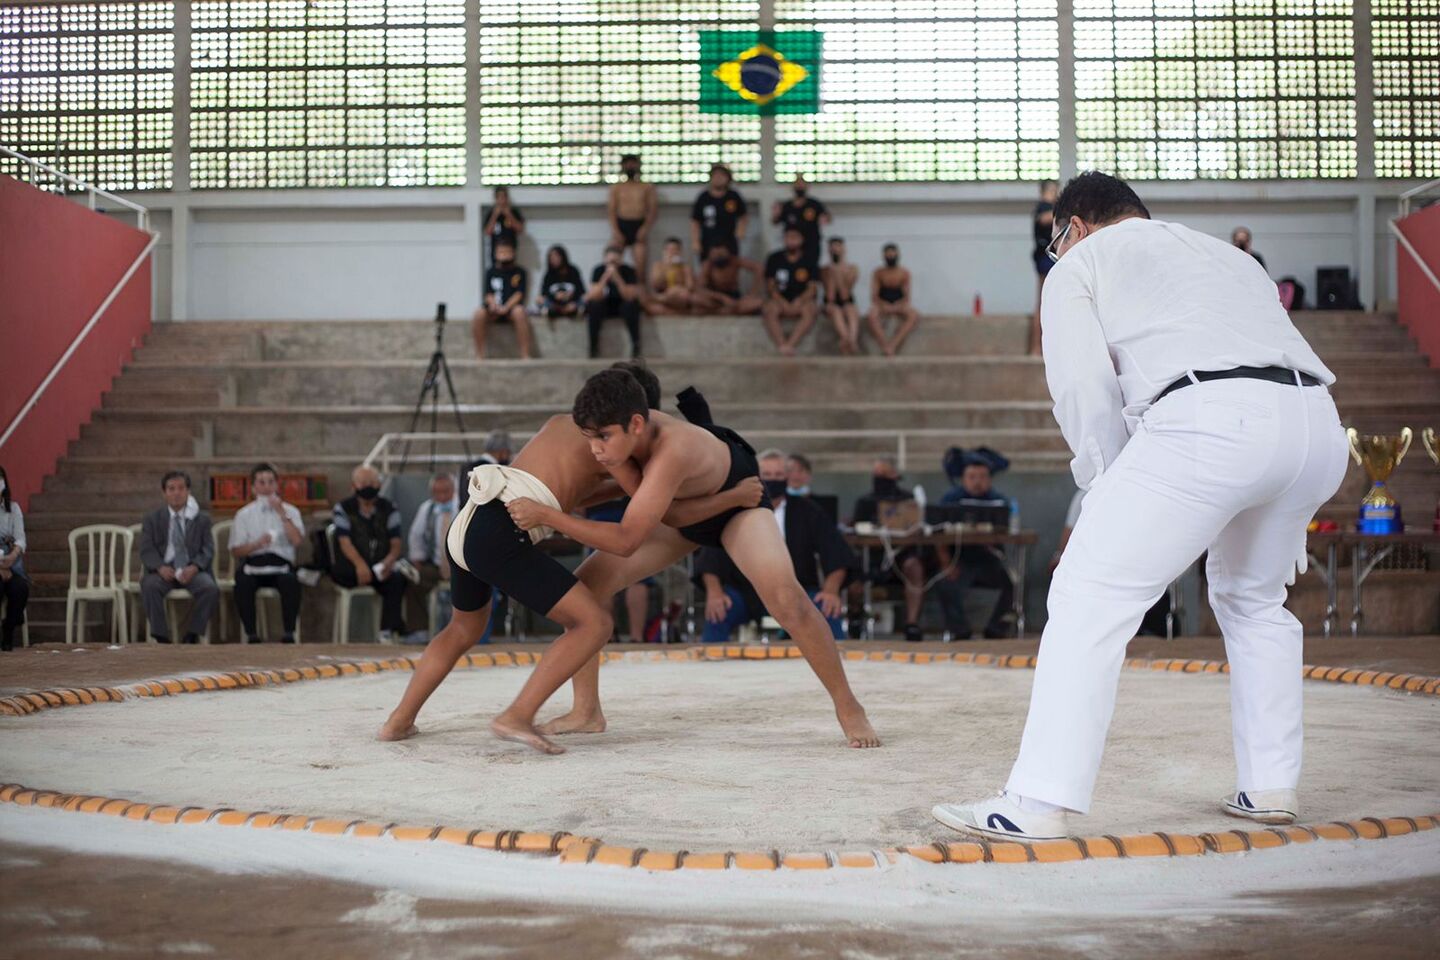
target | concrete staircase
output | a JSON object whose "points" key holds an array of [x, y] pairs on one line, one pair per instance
{"points": [[315, 396]]}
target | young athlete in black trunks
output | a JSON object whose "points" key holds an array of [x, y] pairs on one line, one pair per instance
{"points": [[840, 279], [675, 458], [890, 297]]}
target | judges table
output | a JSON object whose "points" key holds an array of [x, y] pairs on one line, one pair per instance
{"points": [[1370, 549], [1011, 548]]}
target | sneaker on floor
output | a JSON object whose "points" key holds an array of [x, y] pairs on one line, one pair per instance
{"points": [[1263, 806], [1000, 818], [913, 633], [386, 637]]}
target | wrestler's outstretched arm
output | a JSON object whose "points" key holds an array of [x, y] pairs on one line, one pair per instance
{"points": [[645, 512], [692, 510]]}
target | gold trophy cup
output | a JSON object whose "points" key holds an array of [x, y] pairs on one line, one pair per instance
{"points": [[1379, 455], [1432, 447]]}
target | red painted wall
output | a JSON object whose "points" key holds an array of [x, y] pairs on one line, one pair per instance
{"points": [[58, 262], [1419, 300]]}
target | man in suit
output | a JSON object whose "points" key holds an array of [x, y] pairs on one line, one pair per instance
{"points": [[176, 550], [820, 555]]}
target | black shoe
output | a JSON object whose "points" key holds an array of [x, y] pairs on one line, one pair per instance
{"points": [[6, 645], [190, 638], [913, 633], [1000, 631], [961, 634], [288, 638], [250, 639], [162, 639]]}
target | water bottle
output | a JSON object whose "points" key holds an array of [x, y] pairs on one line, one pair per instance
{"points": [[1014, 517]]}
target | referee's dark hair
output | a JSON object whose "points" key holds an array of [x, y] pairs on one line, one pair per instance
{"points": [[1098, 198]]}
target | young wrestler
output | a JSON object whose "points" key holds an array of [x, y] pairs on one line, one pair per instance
{"points": [[890, 297], [675, 458], [632, 208], [840, 279], [485, 548]]}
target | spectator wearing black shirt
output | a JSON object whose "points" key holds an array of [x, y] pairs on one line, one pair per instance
{"points": [[806, 214], [719, 290], [719, 216], [503, 223], [506, 285], [614, 292], [368, 535], [790, 281], [1242, 238], [1041, 223], [562, 286], [890, 297]]}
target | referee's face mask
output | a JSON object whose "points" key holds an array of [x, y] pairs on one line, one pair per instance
{"points": [[1066, 237]]}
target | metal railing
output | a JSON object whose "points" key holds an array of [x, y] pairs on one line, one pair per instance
{"points": [[142, 216], [1406, 199], [1409, 195], [72, 185]]}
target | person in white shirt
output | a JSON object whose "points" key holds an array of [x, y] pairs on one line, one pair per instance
{"points": [[267, 530], [1200, 420], [425, 545]]}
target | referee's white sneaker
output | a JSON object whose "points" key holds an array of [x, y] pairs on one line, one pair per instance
{"points": [[1000, 818], [1263, 806]]}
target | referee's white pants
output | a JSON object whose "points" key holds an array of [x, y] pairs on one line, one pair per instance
{"points": [[1238, 467]]}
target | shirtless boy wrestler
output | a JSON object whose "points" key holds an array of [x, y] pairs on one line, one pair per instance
{"points": [[631, 208], [675, 458], [485, 549]]}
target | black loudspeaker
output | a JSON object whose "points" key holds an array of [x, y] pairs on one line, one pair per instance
{"points": [[1334, 290]]}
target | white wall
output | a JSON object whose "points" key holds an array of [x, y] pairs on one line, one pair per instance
{"points": [[394, 253]]}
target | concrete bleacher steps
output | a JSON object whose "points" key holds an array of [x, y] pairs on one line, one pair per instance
{"points": [[216, 397]]}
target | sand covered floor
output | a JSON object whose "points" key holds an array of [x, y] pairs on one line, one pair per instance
{"points": [[722, 755]]}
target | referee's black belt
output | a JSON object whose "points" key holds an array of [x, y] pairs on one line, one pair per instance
{"points": [[1272, 374]]}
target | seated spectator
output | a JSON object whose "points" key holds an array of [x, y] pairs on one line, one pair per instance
{"points": [[498, 446], [797, 475], [14, 584], [561, 287], [971, 473], [816, 549], [890, 297], [806, 214], [911, 562], [719, 291], [503, 223], [267, 530], [790, 280], [367, 533], [840, 279], [1153, 623], [672, 282], [614, 292], [506, 284], [427, 544], [176, 552], [718, 217], [1241, 237]]}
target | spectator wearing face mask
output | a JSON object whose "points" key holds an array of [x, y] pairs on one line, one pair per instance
{"points": [[1242, 239], [910, 563], [791, 286], [804, 213], [632, 209], [368, 536], [971, 473], [890, 297], [820, 556], [561, 287], [506, 284], [503, 223], [614, 292], [720, 291]]}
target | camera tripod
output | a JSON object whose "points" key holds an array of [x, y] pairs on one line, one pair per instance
{"points": [[430, 390]]}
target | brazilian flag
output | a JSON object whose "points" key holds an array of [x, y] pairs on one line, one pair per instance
{"points": [[760, 71]]}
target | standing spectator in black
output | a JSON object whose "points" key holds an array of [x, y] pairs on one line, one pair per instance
{"points": [[1041, 222], [632, 209], [890, 297], [367, 533], [506, 285], [176, 550], [806, 214], [971, 474], [719, 291], [718, 217], [267, 530], [790, 282], [562, 286], [1242, 238], [614, 292], [14, 585], [503, 223]]}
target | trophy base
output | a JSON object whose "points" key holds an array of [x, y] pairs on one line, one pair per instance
{"points": [[1379, 521]]}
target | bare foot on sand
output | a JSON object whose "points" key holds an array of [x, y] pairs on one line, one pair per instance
{"points": [[857, 728], [587, 721], [521, 732], [390, 730]]}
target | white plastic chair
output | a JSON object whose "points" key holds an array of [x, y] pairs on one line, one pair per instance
{"points": [[106, 568], [345, 595], [24, 627]]}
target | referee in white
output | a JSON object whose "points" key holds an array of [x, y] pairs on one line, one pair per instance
{"points": [[1200, 419]]}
